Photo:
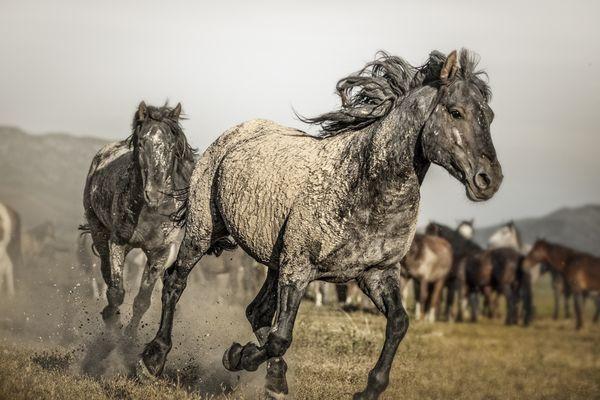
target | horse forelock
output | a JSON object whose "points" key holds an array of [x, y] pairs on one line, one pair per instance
{"points": [[184, 153]]}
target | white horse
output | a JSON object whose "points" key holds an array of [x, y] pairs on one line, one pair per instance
{"points": [[6, 263], [509, 236]]}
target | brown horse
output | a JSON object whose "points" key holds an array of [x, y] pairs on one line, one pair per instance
{"points": [[462, 247], [580, 272], [501, 271], [428, 262]]}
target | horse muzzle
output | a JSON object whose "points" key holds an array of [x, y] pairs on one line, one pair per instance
{"points": [[485, 181]]}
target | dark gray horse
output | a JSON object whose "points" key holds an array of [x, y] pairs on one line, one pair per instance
{"points": [[337, 207], [128, 203]]}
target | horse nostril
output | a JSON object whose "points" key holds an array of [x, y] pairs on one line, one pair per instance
{"points": [[482, 180]]}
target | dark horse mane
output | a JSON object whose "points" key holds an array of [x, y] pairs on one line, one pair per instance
{"points": [[184, 153], [371, 93]]}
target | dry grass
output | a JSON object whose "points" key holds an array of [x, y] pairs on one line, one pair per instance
{"points": [[333, 351]]}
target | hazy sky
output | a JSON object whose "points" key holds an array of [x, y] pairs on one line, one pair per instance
{"points": [[82, 67]]}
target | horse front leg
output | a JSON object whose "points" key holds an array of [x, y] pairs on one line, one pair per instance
{"points": [[510, 304], [155, 266], [155, 353], [112, 272], [556, 294], [578, 300], [435, 300], [260, 314], [293, 281], [383, 288], [473, 304], [566, 301]]}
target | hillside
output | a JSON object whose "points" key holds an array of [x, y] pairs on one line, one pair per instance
{"points": [[575, 227], [42, 176]]}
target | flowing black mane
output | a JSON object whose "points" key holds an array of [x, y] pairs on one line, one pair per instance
{"points": [[371, 93], [184, 153]]}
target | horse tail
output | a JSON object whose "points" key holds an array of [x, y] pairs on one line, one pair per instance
{"points": [[86, 229]]}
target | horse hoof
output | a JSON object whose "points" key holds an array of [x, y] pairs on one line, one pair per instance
{"points": [[272, 395], [364, 396], [232, 357], [142, 373]]}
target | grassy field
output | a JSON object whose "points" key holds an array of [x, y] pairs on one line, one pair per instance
{"points": [[331, 355]]}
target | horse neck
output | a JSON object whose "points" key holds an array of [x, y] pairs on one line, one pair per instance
{"points": [[556, 257], [394, 146]]}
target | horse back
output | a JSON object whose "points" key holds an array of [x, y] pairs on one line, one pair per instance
{"points": [[262, 160], [584, 272], [107, 183]]}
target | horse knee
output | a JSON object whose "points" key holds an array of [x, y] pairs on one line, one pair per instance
{"points": [[398, 322], [115, 296], [277, 345]]}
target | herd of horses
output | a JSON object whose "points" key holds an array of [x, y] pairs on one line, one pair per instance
{"points": [[337, 207]]}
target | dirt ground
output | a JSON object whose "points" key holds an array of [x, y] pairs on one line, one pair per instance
{"points": [[47, 330]]}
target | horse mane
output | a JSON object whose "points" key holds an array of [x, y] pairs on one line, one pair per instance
{"points": [[184, 153], [371, 93]]}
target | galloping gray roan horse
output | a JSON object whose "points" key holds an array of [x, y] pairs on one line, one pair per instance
{"points": [[129, 196], [336, 207]]}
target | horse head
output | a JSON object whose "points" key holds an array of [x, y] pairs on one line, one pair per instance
{"points": [[155, 141], [456, 135], [465, 228]]}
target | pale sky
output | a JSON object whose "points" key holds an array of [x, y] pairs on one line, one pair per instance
{"points": [[82, 67]]}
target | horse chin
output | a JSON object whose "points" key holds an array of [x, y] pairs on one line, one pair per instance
{"points": [[476, 195]]}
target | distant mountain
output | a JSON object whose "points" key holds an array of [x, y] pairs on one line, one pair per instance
{"points": [[577, 227], [42, 176]]}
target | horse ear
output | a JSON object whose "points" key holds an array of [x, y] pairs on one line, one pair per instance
{"points": [[450, 67], [142, 111], [176, 112]]}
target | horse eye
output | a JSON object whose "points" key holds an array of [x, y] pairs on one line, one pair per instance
{"points": [[456, 114]]}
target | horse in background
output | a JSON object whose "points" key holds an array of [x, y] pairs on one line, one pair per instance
{"points": [[38, 241], [509, 236], [460, 240], [428, 262], [129, 197], [244, 275], [466, 228], [11, 255], [580, 272], [499, 271]]}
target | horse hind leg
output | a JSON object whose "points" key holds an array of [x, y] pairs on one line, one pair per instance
{"points": [[260, 314], [578, 300], [597, 312], [289, 295], [384, 290]]}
